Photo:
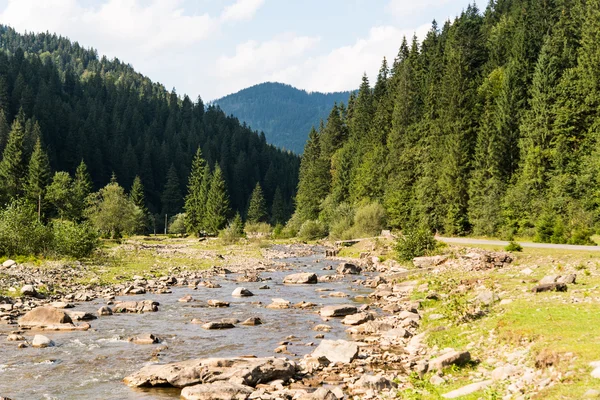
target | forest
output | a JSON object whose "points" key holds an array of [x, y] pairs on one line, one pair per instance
{"points": [[283, 112], [64, 106], [489, 127]]}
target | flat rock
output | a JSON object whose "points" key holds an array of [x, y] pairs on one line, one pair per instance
{"points": [[338, 310], [336, 351], [348, 269], [450, 358], [550, 287], [248, 371], [375, 382], [279, 304], [45, 317], [357, 319], [41, 341], [217, 391], [81, 316], [466, 390], [9, 263], [252, 321], [568, 279], [301, 279], [146, 338], [28, 290], [186, 299], [218, 325], [427, 262], [136, 306], [13, 337], [61, 305], [217, 303], [242, 292]]}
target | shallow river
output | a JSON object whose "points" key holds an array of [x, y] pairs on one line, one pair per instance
{"points": [[91, 365]]}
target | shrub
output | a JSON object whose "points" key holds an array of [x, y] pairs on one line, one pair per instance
{"points": [[513, 246], [20, 231], [233, 232], [177, 225], [369, 220], [311, 230], [416, 242], [341, 221], [258, 229], [73, 240], [292, 227]]}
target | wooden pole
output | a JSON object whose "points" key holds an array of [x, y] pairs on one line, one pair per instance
{"points": [[166, 224]]}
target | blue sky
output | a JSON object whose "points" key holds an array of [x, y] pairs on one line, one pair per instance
{"points": [[216, 47]]}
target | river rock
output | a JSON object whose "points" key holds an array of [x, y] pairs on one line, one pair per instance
{"points": [[9, 263], [247, 371], [81, 316], [28, 290], [336, 351], [369, 328], [61, 305], [104, 311], [242, 292], [567, 279], [41, 341], [301, 279], [466, 390], [217, 303], [348, 269], [338, 310], [450, 358], [375, 382], [186, 299], [550, 287], [252, 321], [13, 337], [136, 306], [211, 285], [427, 262], [279, 304], [357, 319], [216, 391], [218, 325], [46, 318], [319, 394], [146, 338]]}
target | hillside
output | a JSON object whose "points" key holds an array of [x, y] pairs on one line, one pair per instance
{"points": [[488, 127], [285, 114], [118, 121]]}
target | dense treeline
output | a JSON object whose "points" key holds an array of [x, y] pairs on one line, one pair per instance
{"points": [[490, 126], [118, 122], [283, 112]]}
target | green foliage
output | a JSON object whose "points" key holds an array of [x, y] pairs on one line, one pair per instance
{"points": [[60, 194], [38, 175], [20, 231], [416, 242], [257, 208], [177, 224], [217, 203], [369, 220], [312, 229], [13, 164], [258, 229], [195, 200], [234, 230], [137, 196], [171, 197], [72, 239], [113, 213], [513, 246]]}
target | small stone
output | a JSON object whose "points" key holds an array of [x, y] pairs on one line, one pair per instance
{"points": [[338, 311], [348, 269], [186, 299], [436, 380], [14, 338], [9, 263], [242, 292], [252, 321], [28, 290], [146, 338], [450, 358], [41, 341], [217, 325], [217, 303], [105, 311], [301, 279]]}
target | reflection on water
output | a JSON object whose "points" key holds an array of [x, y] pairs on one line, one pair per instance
{"points": [[91, 365]]}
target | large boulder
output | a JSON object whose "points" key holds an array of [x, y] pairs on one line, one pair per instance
{"points": [[242, 292], [348, 269], [136, 306], [29, 290], [450, 358], [340, 310], [301, 279], [357, 319], [216, 391], [337, 351], [249, 371], [47, 318], [41, 341]]}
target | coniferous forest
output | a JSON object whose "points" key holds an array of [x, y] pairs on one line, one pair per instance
{"points": [[61, 105], [490, 126]]}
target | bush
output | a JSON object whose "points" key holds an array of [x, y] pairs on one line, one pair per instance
{"points": [[73, 240], [20, 231], [258, 229], [513, 246], [369, 220], [341, 221], [233, 232], [311, 230], [177, 225], [416, 243]]}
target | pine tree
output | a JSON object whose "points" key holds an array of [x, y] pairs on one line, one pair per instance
{"points": [[171, 196], [4, 130], [194, 202], [12, 166], [38, 176], [137, 196], [217, 203], [257, 208], [278, 214], [82, 188], [314, 179]]}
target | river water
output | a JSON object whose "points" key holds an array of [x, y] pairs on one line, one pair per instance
{"points": [[92, 364]]}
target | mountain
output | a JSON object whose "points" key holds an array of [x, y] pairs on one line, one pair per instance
{"points": [[490, 126], [118, 121], [285, 114]]}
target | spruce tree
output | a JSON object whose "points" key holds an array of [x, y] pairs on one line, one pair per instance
{"points": [[38, 176], [257, 208], [217, 203], [137, 196], [278, 214], [171, 196], [12, 166], [4, 130], [82, 188], [194, 202]]}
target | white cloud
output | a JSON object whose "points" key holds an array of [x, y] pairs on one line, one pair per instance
{"points": [[241, 10], [407, 8]]}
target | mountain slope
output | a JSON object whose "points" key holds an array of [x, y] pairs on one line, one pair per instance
{"points": [[119, 121], [285, 114]]}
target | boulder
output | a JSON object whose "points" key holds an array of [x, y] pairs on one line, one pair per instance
{"points": [[216, 391], [451, 358], [568, 279], [550, 287], [104, 311], [348, 269], [81, 316], [61, 305], [28, 290], [46, 318], [336, 351], [217, 303], [375, 382], [247, 371], [252, 321], [218, 325], [338, 310], [136, 306], [319, 394], [279, 304], [41, 341], [146, 338], [549, 279], [186, 299], [13, 337], [428, 262], [9, 263], [357, 319], [301, 279], [242, 292]]}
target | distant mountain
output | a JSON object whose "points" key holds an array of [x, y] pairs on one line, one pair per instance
{"points": [[285, 114]]}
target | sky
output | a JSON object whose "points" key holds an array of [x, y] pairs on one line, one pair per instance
{"points": [[213, 48]]}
